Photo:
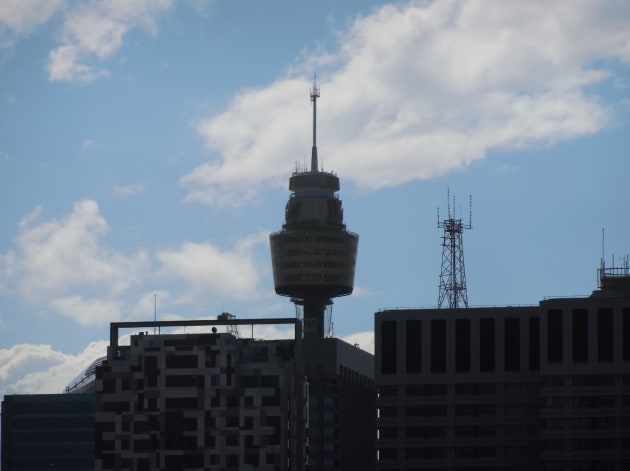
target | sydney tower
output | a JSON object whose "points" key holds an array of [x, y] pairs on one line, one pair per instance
{"points": [[313, 256]]}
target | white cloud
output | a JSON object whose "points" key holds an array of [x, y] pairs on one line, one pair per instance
{"points": [[55, 256], [96, 29], [129, 190], [21, 16], [88, 312], [205, 267], [421, 89], [365, 340], [38, 369], [63, 66], [152, 302], [65, 267]]}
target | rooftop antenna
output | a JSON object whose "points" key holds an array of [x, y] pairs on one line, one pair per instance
{"points": [[154, 310], [314, 97], [453, 272]]}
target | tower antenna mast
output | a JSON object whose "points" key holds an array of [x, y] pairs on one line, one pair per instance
{"points": [[314, 97], [453, 273]]}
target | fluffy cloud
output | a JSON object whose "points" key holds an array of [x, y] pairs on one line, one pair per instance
{"points": [[55, 256], [96, 29], [21, 16], [421, 89], [64, 267], [365, 340], [88, 312], [38, 369], [205, 267]]}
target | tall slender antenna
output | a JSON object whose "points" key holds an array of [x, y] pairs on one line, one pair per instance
{"points": [[453, 272], [314, 97], [154, 310], [603, 245]]}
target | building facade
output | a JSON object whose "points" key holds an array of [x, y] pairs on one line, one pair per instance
{"points": [[198, 401], [540, 387]]}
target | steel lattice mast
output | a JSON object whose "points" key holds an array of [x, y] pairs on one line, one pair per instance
{"points": [[453, 272]]}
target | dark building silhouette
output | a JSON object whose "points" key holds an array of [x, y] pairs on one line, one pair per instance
{"points": [[520, 388], [340, 426], [215, 401], [48, 431]]}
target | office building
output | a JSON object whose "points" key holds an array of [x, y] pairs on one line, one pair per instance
{"points": [[540, 387]]}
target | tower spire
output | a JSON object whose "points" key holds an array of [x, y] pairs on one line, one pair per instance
{"points": [[314, 97]]}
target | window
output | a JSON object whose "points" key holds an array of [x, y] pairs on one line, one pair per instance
{"points": [[512, 344], [554, 336], [183, 380], [387, 454], [181, 403], [414, 346], [580, 335], [486, 344], [388, 347], [181, 361], [387, 412], [388, 432], [387, 391], [248, 423], [626, 334], [604, 335], [462, 345], [438, 346], [534, 343]]}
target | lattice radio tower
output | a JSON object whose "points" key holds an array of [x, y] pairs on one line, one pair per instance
{"points": [[453, 273]]}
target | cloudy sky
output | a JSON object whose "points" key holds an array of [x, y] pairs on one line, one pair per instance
{"points": [[146, 145]]}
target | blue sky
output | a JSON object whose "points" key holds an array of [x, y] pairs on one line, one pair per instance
{"points": [[145, 150]]}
